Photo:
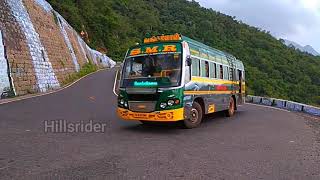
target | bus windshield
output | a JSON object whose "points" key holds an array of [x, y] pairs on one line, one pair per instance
{"points": [[158, 70]]}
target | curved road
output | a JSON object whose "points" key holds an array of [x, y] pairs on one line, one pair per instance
{"points": [[258, 143]]}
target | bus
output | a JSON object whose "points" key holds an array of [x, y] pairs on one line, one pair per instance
{"points": [[170, 78]]}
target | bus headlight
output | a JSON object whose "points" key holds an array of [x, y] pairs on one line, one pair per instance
{"points": [[122, 102], [163, 105], [126, 104], [170, 102]]}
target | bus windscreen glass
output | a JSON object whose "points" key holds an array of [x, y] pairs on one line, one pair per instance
{"points": [[156, 70]]}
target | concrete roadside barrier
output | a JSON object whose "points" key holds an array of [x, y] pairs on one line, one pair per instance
{"points": [[256, 99], [293, 106], [267, 101], [284, 104], [311, 110], [279, 103], [249, 99]]}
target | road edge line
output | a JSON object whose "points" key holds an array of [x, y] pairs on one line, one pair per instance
{"points": [[53, 91]]}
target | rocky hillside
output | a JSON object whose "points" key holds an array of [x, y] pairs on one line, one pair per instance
{"points": [[39, 50], [307, 49]]}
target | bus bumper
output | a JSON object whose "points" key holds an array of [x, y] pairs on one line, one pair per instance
{"points": [[158, 116]]}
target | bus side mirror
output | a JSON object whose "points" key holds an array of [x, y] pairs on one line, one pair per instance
{"points": [[189, 61]]}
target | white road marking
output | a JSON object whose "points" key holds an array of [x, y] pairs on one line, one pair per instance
{"points": [[55, 91], [5, 167], [268, 107], [115, 83]]}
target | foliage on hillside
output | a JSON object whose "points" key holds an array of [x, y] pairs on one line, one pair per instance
{"points": [[273, 69], [86, 69]]}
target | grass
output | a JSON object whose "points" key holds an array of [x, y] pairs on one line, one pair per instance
{"points": [[85, 70], [55, 18]]}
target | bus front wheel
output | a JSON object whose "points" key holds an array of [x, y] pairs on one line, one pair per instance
{"points": [[195, 116]]}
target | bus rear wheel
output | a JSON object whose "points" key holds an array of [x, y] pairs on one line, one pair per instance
{"points": [[232, 106], [195, 116]]}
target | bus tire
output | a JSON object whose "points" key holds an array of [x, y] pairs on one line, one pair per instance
{"points": [[232, 108], [147, 123], [195, 116]]}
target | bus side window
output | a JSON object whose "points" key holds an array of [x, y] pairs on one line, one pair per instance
{"points": [[195, 67], [221, 72], [204, 69], [231, 74], [213, 70], [226, 73], [239, 75]]}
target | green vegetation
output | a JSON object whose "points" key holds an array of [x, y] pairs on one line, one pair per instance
{"points": [[273, 69], [85, 70]]}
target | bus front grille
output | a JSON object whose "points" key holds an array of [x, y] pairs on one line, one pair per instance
{"points": [[143, 97], [142, 106]]}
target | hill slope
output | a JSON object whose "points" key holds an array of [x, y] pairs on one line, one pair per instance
{"points": [[272, 68]]}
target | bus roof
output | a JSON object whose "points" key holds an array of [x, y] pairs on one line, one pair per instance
{"points": [[204, 51], [197, 49]]}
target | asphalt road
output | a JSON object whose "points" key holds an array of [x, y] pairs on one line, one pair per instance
{"points": [[258, 143]]}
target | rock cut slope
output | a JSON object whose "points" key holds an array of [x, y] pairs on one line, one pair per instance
{"points": [[39, 50]]}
